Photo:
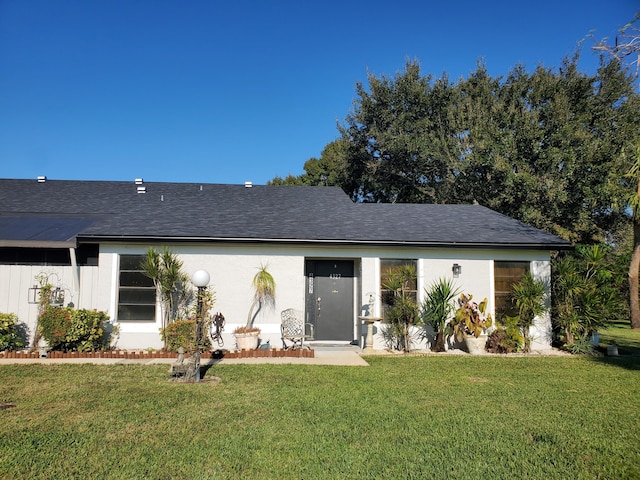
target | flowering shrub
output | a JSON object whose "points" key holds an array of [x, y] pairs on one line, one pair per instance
{"points": [[74, 330], [10, 338]]}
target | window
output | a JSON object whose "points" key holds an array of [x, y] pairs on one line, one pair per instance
{"points": [[136, 293], [506, 274], [388, 267]]}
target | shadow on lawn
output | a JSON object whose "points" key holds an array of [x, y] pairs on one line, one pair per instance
{"points": [[627, 342], [628, 362]]}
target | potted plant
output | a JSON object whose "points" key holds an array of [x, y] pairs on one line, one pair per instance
{"points": [[246, 337], [438, 308], [264, 294], [470, 323]]}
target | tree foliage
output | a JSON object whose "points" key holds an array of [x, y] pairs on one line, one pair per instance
{"points": [[555, 148], [541, 147], [328, 171], [626, 53]]}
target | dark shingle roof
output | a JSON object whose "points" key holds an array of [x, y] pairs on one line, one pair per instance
{"points": [[97, 210]]}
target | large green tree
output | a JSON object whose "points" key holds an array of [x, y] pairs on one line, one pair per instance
{"points": [[402, 143], [626, 53], [543, 147]]}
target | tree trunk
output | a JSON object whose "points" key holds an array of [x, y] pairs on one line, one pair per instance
{"points": [[253, 314], [527, 339], [439, 345], [634, 269]]}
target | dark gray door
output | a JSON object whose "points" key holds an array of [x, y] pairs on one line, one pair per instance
{"points": [[329, 298]]}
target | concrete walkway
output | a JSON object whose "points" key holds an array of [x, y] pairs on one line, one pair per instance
{"points": [[323, 356]]}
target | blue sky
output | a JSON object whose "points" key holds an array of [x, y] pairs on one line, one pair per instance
{"points": [[226, 92]]}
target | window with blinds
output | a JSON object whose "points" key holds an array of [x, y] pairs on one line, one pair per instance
{"points": [[506, 274]]}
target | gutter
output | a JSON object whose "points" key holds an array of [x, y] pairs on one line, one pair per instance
{"points": [[330, 242]]}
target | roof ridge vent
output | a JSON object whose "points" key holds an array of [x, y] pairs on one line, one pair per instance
{"points": [[41, 178], [141, 189], [248, 184], [139, 181]]}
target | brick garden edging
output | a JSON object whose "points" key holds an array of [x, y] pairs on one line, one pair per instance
{"points": [[146, 355]]}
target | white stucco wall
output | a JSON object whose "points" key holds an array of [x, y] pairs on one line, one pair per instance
{"points": [[232, 268], [476, 278]]}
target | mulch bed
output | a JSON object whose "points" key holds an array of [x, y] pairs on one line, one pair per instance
{"points": [[149, 355]]}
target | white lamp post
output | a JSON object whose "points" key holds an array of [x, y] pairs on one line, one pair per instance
{"points": [[200, 279]]}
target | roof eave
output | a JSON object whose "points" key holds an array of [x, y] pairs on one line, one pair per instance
{"points": [[38, 244], [298, 241]]}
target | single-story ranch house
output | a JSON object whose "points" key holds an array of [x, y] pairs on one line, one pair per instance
{"points": [[326, 253]]}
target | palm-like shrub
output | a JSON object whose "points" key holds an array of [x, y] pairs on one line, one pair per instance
{"points": [[584, 295], [264, 294], [529, 298], [165, 269], [437, 309], [402, 311]]}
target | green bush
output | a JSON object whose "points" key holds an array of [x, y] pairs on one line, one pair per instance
{"points": [[72, 330], [507, 338], [585, 296], [11, 336], [182, 333], [402, 310]]}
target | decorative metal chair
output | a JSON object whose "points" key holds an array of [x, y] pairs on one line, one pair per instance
{"points": [[294, 329]]}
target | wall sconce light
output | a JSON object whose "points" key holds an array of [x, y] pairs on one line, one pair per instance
{"points": [[457, 270]]}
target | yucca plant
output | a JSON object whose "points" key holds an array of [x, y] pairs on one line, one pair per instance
{"points": [[438, 308], [402, 312], [529, 297], [165, 269]]}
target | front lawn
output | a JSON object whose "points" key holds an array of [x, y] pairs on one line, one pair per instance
{"points": [[627, 340], [402, 417]]}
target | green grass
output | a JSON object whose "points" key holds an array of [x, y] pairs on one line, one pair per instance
{"points": [[627, 340], [402, 417]]}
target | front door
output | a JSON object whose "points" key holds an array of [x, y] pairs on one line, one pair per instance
{"points": [[329, 298]]}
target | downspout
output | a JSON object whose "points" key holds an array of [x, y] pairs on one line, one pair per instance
{"points": [[76, 276]]}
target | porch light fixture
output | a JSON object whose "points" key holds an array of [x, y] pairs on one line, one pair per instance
{"points": [[200, 279], [457, 270]]}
